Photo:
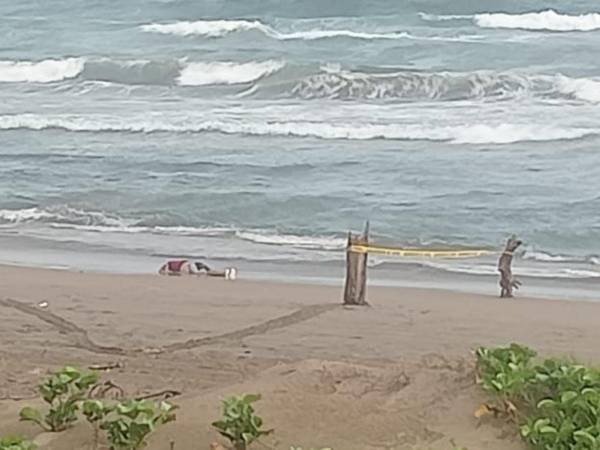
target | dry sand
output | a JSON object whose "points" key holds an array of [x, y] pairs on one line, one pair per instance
{"points": [[393, 376]]}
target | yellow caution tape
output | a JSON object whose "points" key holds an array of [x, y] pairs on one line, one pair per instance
{"points": [[430, 253]]}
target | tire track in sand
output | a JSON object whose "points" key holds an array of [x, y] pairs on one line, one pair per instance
{"points": [[301, 315], [78, 334], [83, 341]]}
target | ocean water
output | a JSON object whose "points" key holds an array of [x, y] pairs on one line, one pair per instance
{"points": [[263, 131]]}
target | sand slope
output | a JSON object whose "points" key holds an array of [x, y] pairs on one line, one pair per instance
{"points": [[394, 376]]}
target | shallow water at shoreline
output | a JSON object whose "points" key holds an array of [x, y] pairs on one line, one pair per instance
{"points": [[70, 256]]}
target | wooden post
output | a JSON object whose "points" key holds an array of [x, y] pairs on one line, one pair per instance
{"points": [[355, 289], [507, 282]]}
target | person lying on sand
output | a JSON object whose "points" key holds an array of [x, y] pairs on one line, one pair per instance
{"points": [[185, 267]]}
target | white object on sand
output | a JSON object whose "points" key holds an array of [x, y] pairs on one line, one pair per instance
{"points": [[231, 273], [43, 304]]}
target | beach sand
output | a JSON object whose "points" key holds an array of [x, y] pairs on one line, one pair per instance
{"points": [[396, 375]]}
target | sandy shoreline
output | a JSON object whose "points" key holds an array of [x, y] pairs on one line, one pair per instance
{"points": [[27, 252], [396, 375]]}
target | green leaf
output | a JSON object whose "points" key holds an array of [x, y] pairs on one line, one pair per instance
{"points": [[567, 396], [71, 372], [251, 398], [220, 425], [540, 423], [87, 380], [497, 385], [16, 443], [585, 437], [542, 377], [548, 430], [256, 421], [31, 414], [546, 403], [233, 412]]}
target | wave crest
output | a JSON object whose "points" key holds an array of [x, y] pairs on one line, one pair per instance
{"points": [[60, 215], [221, 28], [204, 73], [208, 28], [46, 71], [305, 242], [65, 217], [335, 83], [466, 134], [537, 21], [548, 20], [413, 85], [137, 72]]}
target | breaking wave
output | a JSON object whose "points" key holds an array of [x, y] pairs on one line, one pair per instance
{"points": [[220, 28], [335, 83], [548, 20], [65, 217], [407, 85], [306, 242], [466, 134], [585, 89], [137, 72], [303, 247], [306, 82], [46, 71], [204, 73], [535, 255], [535, 272], [61, 215]]}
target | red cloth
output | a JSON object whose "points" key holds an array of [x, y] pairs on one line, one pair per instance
{"points": [[175, 266]]}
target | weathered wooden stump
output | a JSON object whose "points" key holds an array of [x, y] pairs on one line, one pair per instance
{"points": [[355, 290], [507, 281]]}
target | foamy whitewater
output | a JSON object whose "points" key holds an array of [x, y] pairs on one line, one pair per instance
{"points": [[260, 133]]}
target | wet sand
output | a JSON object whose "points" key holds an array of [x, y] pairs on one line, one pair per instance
{"points": [[396, 375]]}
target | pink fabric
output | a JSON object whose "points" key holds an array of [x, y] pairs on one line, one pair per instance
{"points": [[175, 266]]}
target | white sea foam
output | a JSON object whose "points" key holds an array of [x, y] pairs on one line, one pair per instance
{"points": [[336, 83], [45, 71], [548, 20], [537, 21], [65, 217], [442, 18], [208, 28], [585, 89], [60, 215], [536, 255], [545, 257], [465, 134], [220, 28], [306, 242], [205, 73], [537, 272], [510, 133]]}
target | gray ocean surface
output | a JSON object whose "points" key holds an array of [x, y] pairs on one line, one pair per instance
{"points": [[262, 131]]}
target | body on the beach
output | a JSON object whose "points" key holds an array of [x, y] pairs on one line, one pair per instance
{"points": [[180, 267]]}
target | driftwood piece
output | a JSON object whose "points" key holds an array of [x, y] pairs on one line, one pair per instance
{"points": [[507, 281], [107, 367], [109, 389], [355, 289], [167, 393]]}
